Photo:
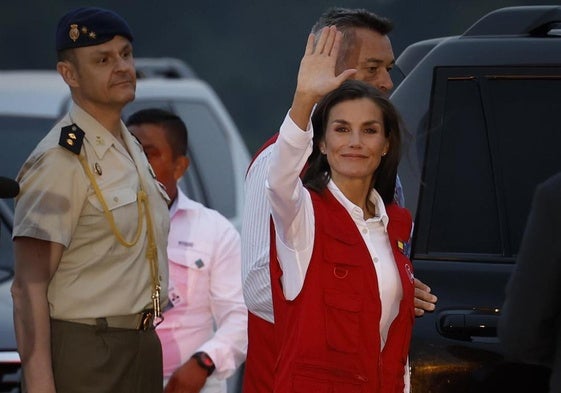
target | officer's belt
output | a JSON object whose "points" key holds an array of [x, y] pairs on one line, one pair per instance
{"points": [[140, 321]]}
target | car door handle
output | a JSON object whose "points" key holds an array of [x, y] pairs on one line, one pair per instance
{"points": [[468, 324]]}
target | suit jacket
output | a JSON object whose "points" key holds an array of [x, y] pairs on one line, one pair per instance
{"points": [[530, 324]]}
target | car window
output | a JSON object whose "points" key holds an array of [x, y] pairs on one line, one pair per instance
{"points": [[492, 137], [525, 111], [211, 155], [19, 136]]}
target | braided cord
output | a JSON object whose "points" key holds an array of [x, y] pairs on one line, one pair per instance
{"points": [[151, 249], [108, 214]]}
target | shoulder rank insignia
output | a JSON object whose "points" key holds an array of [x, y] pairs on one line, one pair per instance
{"points": [[71, 138]]}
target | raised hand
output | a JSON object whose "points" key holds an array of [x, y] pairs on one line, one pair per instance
{"points": [[316, 76]]}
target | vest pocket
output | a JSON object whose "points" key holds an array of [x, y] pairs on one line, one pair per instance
{"points": [[342, 321]]}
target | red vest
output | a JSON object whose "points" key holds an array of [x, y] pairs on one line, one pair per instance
{"points": [[261, 356], [328, 338]]}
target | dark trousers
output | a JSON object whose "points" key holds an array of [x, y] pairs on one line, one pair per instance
{"points": [[92, 359]]}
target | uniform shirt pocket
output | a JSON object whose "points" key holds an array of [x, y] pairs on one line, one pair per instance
{"points": [[113, 198], [120, 202]]}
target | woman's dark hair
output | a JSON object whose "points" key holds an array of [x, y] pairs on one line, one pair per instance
{"points": [[318, 172]]}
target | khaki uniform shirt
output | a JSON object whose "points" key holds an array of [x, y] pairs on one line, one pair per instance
{"points": [[97, 276]]}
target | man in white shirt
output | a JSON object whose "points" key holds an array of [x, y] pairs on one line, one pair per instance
{"points": [[204, 264], [367, 48]]}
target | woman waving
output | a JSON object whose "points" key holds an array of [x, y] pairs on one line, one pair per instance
{"points": [[342, 286]]}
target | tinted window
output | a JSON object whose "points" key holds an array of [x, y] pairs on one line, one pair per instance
{"points": [[526, 114], [493, 135]]}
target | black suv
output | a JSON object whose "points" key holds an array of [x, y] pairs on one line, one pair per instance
{"points": [[483, 110]]}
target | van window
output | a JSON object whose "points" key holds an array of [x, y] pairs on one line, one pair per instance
{"points": [[493, 136], [210, 152], [19, 137]]}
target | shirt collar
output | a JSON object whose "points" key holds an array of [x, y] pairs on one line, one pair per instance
{"points": [[355, 211], [181, 202]]}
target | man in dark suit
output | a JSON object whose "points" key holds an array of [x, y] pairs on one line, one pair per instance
{"points": [[530, 325]]}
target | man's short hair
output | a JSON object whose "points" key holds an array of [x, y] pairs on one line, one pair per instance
{"points": [[176, 131], [345, 18]]}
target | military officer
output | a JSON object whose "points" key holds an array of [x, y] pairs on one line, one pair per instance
{"points": [[90, 229]]}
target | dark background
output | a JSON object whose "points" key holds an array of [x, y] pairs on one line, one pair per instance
{"points": [[248, 50]]}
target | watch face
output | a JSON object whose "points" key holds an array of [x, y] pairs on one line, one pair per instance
{"points": [[206, 360]]}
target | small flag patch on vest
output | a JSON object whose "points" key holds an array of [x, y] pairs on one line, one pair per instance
{"points": [[404, 247]]}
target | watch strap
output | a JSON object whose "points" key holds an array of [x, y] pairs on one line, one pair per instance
{"points": [[204, 361]]}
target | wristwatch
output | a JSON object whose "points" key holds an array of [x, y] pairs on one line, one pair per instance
{"points": [[204, 361]]}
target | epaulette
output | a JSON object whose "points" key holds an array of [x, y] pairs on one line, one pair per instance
{"points": [[71, 138]]}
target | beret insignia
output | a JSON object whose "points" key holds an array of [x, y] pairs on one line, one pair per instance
{"points": [[74, 33]]}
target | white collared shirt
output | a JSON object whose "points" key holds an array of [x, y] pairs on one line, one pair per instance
{"points": [[255, 239], [205, 289]]}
